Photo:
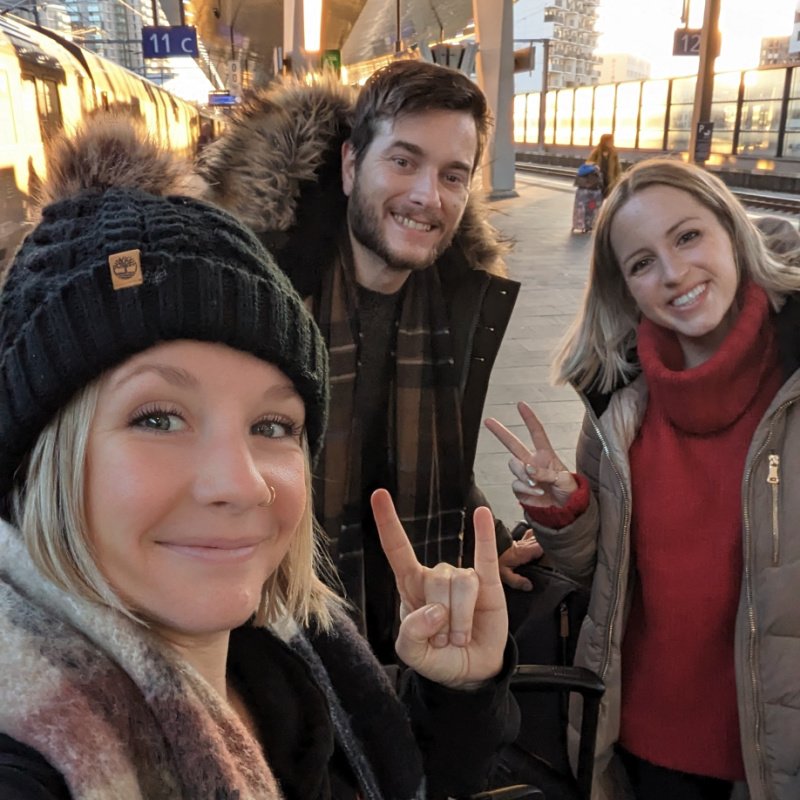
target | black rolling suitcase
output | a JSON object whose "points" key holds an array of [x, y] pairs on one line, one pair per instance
{"points": [[545, 623]]}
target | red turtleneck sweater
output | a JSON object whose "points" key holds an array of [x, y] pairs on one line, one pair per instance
{"points": [[679, 706]]}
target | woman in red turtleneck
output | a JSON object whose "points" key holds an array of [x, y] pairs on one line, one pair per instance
{"points": [[685, 507]]}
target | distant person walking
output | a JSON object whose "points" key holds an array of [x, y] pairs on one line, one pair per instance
{"points": [[606, 157]]}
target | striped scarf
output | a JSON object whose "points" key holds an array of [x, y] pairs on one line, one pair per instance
{"points": [[424, 418], [107, 706]]}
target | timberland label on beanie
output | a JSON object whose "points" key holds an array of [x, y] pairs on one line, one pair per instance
{"points": [[126, 269], [124, 258]]}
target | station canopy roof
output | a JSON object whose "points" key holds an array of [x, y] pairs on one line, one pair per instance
{"points": [[361, 29]]}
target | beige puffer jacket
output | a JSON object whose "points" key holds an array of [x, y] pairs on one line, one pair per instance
{"points": [[597, 546]]}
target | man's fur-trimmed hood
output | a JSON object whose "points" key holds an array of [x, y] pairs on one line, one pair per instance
{"points": [[278, 168]]}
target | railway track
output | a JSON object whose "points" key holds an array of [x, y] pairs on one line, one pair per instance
{"points": [[785, 205]]}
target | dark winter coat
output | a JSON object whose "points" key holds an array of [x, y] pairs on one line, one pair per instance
{"points": [[89, 666], [278, 169]]}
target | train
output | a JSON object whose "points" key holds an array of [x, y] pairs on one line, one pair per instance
{"points": [[49, 84]]}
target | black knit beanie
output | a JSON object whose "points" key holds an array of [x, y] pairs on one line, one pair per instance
{"points": [[112, 269]]}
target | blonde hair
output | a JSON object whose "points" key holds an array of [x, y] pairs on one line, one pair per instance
{"points": [[49, 509], [598, 350]]}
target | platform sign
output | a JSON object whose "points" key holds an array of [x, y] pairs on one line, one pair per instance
{"points": [[332, 59], [687, 42], [702, 147], [169, 42], [221, 98]]}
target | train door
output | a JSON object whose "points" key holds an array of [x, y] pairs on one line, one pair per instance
{"points": [[42, 72], [49, 105], [13, 199]]}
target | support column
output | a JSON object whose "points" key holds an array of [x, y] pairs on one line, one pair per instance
{"points": [[494, 26], [294, 38], [709, 50], [543, 95]]}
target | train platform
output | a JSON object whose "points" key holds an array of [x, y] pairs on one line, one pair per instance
{"points": [[552, 265]]}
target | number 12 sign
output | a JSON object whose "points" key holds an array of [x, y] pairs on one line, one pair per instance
{"points": [[687, 42], [169, 42]]}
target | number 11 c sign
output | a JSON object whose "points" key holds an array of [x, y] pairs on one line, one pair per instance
{"points": [[169, 42]]}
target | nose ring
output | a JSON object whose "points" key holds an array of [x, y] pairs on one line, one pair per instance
{"points": [[270, 497]]}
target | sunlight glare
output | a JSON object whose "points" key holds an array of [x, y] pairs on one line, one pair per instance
{"points": [[646, 30]]}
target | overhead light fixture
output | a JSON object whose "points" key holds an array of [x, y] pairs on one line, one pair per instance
{"points": [[312, 25]]}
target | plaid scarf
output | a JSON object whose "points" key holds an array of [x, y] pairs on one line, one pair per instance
{"points": [[424, 418], [103, 702]]}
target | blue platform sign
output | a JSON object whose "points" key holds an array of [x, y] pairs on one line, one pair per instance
{"points": [[169, 42], [221, 98]]}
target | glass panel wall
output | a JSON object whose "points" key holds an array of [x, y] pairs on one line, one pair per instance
{"points": [[564, 112], [582, 126], [683, 90], [550, 117], [680, 113], [726, 87], [764, 84], [761, 112], [791, 140], [626, 116], [654, 112], [519, 117], [603, 111], [532, 119], [724, 103], [580, 116]]}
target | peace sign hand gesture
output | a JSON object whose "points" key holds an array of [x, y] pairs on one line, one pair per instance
{"points": [[453, 621], [540, 477]]}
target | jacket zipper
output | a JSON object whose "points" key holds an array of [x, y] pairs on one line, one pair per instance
{"points": [[748, 578], [774, 480], [626, 520]]}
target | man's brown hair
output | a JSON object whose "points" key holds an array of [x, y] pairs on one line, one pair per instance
{"points": [[413, 87]]}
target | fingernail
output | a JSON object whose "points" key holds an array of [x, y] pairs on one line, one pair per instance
{"points": [[441, 640], [435, 613], [458, 639], [537, 492], [531, 483], [530, 470], [527, 587]]}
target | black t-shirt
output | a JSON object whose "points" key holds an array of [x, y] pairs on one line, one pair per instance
{"points": [[374, 408]]}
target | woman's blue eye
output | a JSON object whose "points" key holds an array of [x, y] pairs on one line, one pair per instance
{"points": [[274, 429], [161, 421]]}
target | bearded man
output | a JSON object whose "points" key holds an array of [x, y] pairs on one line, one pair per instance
{"points": [[366, 204]]}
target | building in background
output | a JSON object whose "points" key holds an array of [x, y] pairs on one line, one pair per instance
{"points": [[775, 52], [55, 17], [569, 27], [113, 29], [110, 28], [48, 15], [615, 67]]}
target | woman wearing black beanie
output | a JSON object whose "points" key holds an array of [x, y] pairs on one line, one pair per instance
{"points": [[165, 632]]}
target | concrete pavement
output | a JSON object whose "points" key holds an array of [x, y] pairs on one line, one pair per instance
{"points": [[552, 264]]}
